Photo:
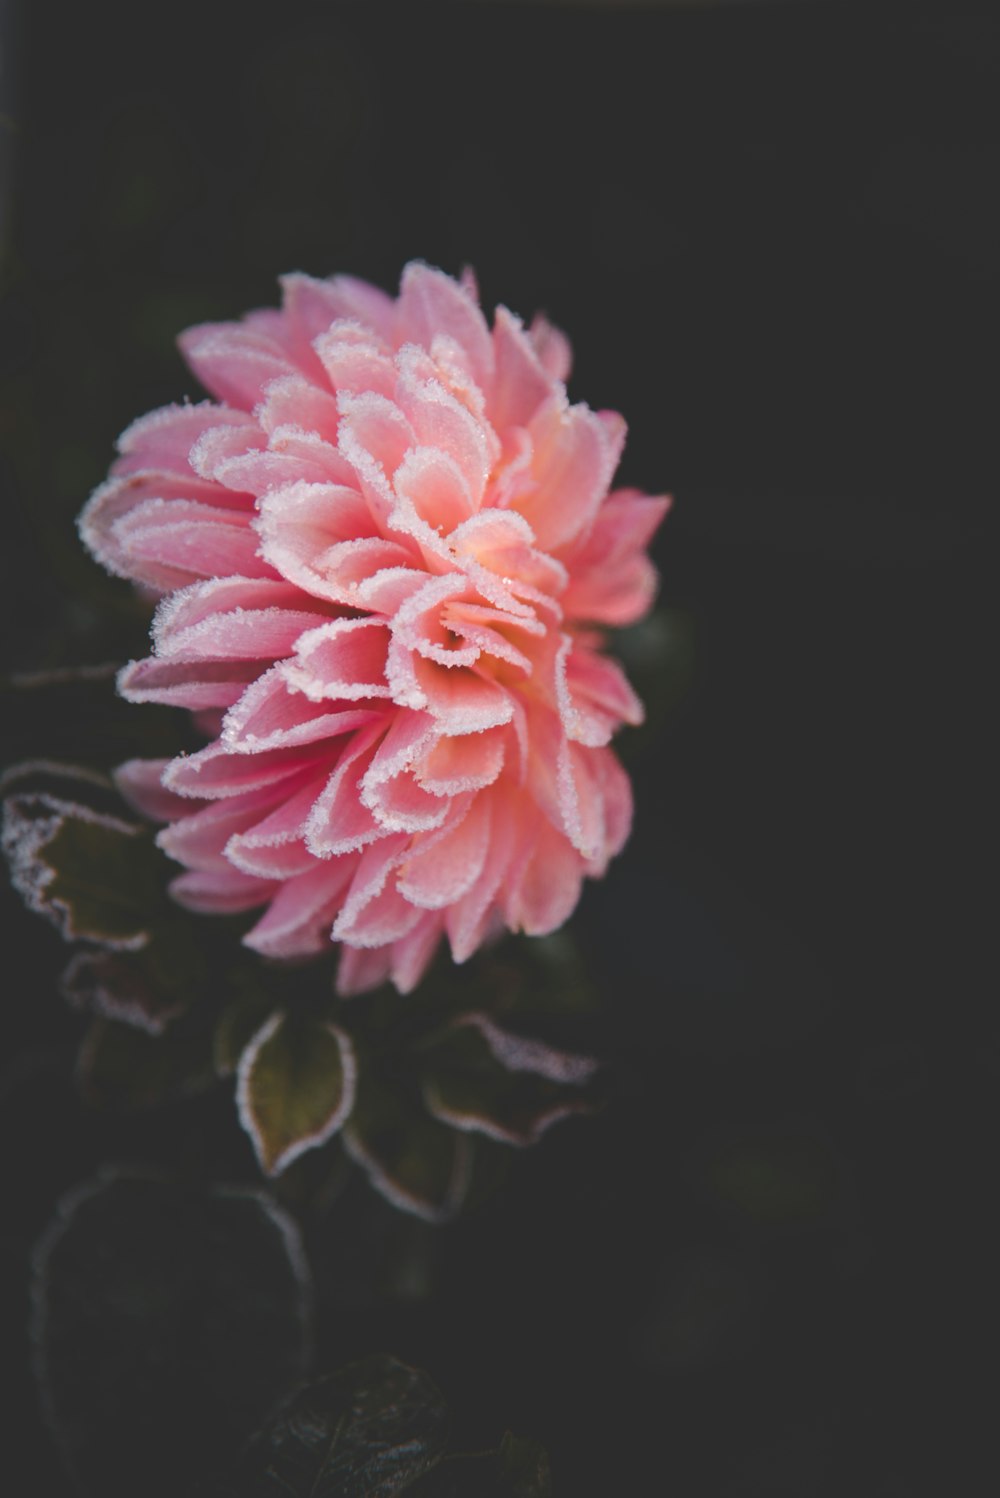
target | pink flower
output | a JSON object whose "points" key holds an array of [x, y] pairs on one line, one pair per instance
{"points": [[384, 559]]}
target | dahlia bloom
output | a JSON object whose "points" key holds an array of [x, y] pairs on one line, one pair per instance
{"points": [[384, 554]]}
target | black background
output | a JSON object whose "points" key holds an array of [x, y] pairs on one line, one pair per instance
{"points": [[772, 233]]}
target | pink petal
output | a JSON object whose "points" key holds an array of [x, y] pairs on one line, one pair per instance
{"points": [[522, 382], [301, 527], [221, 891], [580, 800], [275, 841], [574, 460], [198, 839], [344, 658], [241, 634], [462, 763], [215, 771], [299, 917], [234, 363], [552, 347], [599, 683], [431, 303], [312, 305], [110, 504], [402, 805], [612, 581], [616, 795], [412, 953], [269, 715], [439, 420], [470, 916], [180, 540], [438, 874], [185, 684], [431, 487], [374, 436], [372, 871], [352, 360], [548, 888], [419, 625], [617, 594], [364, 968], [350, 298], [141, 783], [163, 439], [338, 822], [457, 698], [295, 401], [385, 918]]}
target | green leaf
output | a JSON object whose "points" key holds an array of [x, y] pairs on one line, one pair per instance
{"points": [[519, 1469], [94, 875], [367, 1431], [122, 1067], [168, 1321], [416, 1162], [480, 1077], [295, 1087]]}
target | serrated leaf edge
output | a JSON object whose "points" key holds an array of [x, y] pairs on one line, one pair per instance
{"points": [[24, 840]]}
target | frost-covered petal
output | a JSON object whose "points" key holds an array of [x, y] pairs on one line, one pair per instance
{"points": [[342, 660], [235, 363], [431, 304]]}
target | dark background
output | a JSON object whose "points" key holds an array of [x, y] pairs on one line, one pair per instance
{"points": [[772, 233]]}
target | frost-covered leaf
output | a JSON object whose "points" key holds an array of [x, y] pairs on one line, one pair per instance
{"points": [[295, 1087], [367, 1431], [168, 1322], [119, 986], [480, 1077], [519, 1469], [416, 1162], [122, 1067], [94, 874]]}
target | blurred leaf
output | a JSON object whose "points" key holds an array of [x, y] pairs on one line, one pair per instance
{"points": [[167, 1323], [477, 1076], [295, 1087], [367, 1431], [237, 1025], [519, 1469], [122, 1067], [119, 987], [416, 1162]]}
